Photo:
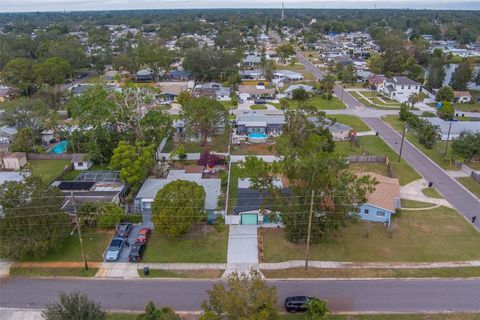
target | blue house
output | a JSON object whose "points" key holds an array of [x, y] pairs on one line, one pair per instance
{"points": [[383, 202]]}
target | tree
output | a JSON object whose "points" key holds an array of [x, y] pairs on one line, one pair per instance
{"points": [[462, 75], [208, 64], [436, 73], [53, 71], [152, 313], [186, 43], [177, 206], [348, 74], [18, 73], [309, 162], [29, 113], [446, 112], [285, 51], [33, 222], [155, 126], [300, 94], [133, 161], [328, 83], [467, 146], [414, 99], [103, 214], [477, 78], [316, 309], [229, 39], [23, 141], [75, 305], [202, 116], [157, 57], [445, 94], [245, 296], [428, 134]]}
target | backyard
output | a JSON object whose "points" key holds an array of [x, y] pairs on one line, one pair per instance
{"points": [[439, 234], [208, 247], [48, 170], [217, 143]]}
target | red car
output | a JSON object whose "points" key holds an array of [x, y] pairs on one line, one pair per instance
{"points": [[143, 235]]}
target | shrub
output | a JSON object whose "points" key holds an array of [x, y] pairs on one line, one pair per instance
{"points": [[219, 223]]}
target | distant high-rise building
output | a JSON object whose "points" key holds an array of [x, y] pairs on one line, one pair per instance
{"points": [[283, 10]]}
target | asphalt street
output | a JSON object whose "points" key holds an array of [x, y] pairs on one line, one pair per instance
{"points": [[188, 295]]}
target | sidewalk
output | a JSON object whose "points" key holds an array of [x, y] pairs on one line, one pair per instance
{"points": [[20, 314], [5, 268]]}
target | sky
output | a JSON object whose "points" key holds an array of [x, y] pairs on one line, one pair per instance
{"points": [[76, 5]]}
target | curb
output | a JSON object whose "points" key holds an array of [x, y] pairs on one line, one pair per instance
{"points": [[373, 279]]}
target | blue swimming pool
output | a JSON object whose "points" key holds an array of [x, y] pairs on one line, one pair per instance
{"points": [[257, 137], [60, 147]]}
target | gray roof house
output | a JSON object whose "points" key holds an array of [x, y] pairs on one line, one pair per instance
{"points": [[289, 91], [251, 121], [457, 127], [252, 60]]}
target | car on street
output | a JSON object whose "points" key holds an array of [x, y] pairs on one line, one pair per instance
{"points": [[113, 250], [124, 229], [297, 303], [136, 252], [143, 235]]}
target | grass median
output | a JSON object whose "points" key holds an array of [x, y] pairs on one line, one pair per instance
{"points": [[52, 272], [199, 274]]}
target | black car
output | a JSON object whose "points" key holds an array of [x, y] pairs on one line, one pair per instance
{"points": [[124, 229], [297, 303], [260, 101], [136, 252], [81, 75]]}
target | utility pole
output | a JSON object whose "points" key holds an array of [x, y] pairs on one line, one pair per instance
{"points": [[448, 137], [401, 144], [309, 230], [85, 263]]}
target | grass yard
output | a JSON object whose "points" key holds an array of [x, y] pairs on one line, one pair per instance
{"points": [[258, 107], [374, 167], [461, 272], [228, 105], [52, 272], [471, 185], [440, 316], [377, 103], [376, 146], [233, 188], [355, 122], [436, 154], [217, 143], [432, 193], [413, 204], [197, 249], [48, 170], [94, 242], [439, 234], [198, 274]]}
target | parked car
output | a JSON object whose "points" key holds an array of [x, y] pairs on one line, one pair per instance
{"points": [[113, 250], [136, 252], [81, 75], [260, 101], [143, 235], [296, 303], [124, 229]]}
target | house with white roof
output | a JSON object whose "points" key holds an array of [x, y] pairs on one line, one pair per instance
{"points": [[289, 91], [457, 127], [399, 88], [288, 75]]}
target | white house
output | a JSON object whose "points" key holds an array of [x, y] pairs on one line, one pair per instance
{"points": [[80, 161], [287, 75], [399, 88], [462, 96], [457, 127], [289, 91]]}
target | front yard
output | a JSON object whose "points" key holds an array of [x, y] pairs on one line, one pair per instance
{"points": [[48, 170], [439, 234], [356, 123], [471, 185], [374, 100], [320, 103], [210, 247]]}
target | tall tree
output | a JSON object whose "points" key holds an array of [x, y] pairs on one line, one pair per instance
{"points": [[177, 206], [75, 305], [133, 161], [33, 222], [467, 146], [245, 296], [436, 72], [152, 313], [53, 71], [445, 94], [316, 309], [202, 116], [157, 57], [18, 73], [285, 51], [462, 75]]}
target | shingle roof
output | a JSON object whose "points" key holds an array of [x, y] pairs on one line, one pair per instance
{"points": [[402, 81], [386, 192]]}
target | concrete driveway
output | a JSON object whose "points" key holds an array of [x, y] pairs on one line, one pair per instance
{"points": [[242, 248]]}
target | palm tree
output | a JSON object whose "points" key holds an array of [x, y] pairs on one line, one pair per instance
{"points": [[75, 305], [152, 313], [316, 309], [414, 99]]}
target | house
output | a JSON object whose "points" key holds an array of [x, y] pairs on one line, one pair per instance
{"points": [[246, 92], [13, 176], [462, 96], [14, 160], [376, 82], [450, 130], [150, 188], [340, 131], [80, 89], [179, 128], [212, 90], [288, 75], [252, 60], [251, 121], [81, 161], [47, 136], [289, 91], [399, 88], [8, 133], [251, 205], [144, 75], [257, 74], [382, 203], [180, 75]]}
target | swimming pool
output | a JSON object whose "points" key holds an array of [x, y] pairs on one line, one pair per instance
{"points": [[257, 137], [60, 147]]}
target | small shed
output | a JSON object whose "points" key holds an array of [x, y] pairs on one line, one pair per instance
{"points": [[81, 161]]}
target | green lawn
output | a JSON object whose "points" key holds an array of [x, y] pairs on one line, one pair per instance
{"points": [[460, 272], [471, 185], [318, 101], [437, 153], [258, 107], [208, 248], [355, 122], [52, 272], [218, 143], [233, 188], [198, 274], [412, 204], [376, 146], [94, 242], [439, 234], [377, 104], [432, 193], [228, 105], [48, 170]]}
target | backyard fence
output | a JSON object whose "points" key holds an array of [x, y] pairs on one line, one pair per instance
{"points": [[367, 158], [45, 156]]}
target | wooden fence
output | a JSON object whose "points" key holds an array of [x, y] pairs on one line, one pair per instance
{"points": [[45, 156]]}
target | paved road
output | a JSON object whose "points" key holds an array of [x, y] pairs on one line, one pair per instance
{"points": [[463, 201], [187, 295]]}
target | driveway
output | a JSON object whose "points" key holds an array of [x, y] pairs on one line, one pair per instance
{"points": [[242, 248]]}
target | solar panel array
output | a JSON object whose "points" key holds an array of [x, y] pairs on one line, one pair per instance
{"points": [[98, 176]]}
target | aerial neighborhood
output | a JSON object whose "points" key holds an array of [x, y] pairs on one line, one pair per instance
{"points": [[244, 145]]}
